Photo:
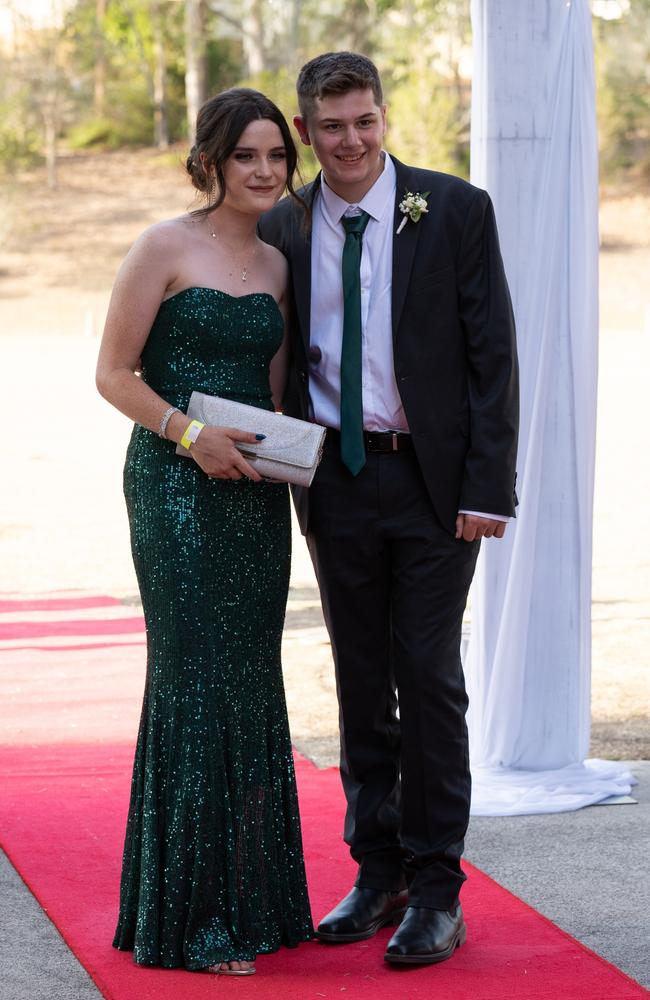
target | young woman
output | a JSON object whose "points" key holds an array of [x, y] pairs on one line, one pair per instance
{"points": [[213, 870]]}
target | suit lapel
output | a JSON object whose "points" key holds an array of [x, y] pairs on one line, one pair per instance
{"points": [[301, 263], [404, 245]]}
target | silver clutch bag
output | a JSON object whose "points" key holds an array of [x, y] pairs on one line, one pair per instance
{"points": [[291, 451]]}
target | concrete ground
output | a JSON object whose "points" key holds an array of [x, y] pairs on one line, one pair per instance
{"points": [[587, 871]]}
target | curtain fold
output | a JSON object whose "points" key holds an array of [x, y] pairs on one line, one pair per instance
{"points": [[528, 664]]}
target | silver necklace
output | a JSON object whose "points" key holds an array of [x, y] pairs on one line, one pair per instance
{"points": [[243, 265]]}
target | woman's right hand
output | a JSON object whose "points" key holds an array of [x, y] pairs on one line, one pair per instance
{"points": [[215, 452]]}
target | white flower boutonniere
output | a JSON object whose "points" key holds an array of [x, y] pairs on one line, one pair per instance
{"points": [[413, 206]]}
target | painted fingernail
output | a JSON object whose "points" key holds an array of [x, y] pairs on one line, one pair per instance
{"points": [[260, 437]]}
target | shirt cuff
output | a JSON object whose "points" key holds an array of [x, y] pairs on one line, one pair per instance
{"points": [[492, 517]]}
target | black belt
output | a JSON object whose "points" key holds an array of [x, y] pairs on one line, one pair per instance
{"points": [[377, 441]]}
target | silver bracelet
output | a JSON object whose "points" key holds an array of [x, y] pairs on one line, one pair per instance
{"points": [[166, 417]]}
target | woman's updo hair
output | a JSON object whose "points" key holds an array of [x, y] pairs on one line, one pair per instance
{"points": [[196, 171], [219, 125]]}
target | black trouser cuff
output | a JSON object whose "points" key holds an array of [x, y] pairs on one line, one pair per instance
{"points": [[371, 877]]}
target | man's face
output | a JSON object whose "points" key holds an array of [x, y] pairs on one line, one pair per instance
{"points": [[346, 132]]}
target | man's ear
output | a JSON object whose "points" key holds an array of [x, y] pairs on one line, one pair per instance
{"points": [[301, 129]]}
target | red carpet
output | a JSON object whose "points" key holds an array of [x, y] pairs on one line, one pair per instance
{"points": [[63, 801]]}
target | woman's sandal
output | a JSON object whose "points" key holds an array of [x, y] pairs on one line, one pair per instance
{"points": [[217, 970]]}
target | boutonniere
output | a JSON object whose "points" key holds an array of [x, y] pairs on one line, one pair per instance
{"points": [[413, 206]]}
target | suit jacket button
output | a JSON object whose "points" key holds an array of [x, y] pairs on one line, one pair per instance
{"points": [[315, 354], [303, 376]]}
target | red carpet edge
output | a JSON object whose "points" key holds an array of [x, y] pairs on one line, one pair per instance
{"points": [[63, 809]]}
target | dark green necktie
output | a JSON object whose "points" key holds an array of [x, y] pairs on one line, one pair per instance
{"points": [[353, 452]]}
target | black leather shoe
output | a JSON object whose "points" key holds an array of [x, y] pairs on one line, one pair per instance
{"points": [[361, 914], [426, 936]]}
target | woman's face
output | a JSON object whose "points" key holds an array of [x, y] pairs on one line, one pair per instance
{"points": [[256, 171]]}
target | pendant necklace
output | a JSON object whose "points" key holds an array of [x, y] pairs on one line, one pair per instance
{"points": [[243, 263]]}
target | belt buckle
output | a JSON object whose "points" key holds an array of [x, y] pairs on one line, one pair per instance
{"points": [[394, 440]]}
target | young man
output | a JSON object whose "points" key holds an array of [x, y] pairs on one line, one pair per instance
{"points": [[404, 346]]}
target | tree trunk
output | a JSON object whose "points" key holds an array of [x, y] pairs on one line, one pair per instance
{"points": [[361, 22], [195, 67], [294, 55], [99, 96], [253, 37], [50, 146], [161, 131]]}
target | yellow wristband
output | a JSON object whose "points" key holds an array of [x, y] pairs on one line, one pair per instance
{"points": [[191, 433]]}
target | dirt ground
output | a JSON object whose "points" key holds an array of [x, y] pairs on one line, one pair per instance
{"points": [[62, 522]]}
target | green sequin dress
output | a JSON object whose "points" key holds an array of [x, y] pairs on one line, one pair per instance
{"points": [[213, 867]]}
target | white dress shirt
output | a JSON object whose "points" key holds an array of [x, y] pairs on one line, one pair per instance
{"points": [[382, 406]]}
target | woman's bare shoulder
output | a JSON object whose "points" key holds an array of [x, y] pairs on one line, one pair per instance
{"points": [[165, 236]]}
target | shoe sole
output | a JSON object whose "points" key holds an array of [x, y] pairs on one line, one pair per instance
{"points": [[432, 959], [394, 919]]}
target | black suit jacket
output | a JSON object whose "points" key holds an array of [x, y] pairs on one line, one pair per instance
{"points": [[453, 340]]}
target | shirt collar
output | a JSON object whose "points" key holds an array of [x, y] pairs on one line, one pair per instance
{"points": [[375, 201]]}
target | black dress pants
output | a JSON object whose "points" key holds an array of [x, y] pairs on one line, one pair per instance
{"points": [[394, 585]]}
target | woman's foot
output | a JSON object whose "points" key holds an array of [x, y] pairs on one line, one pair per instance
{"points": [[233, 969]]}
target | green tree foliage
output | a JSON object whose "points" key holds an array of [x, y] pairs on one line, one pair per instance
{"points": [[429, 117], [35, 98], [116, 66], [622, 48], [423, 43], [426, 124], [20, 133], [127, 36]]}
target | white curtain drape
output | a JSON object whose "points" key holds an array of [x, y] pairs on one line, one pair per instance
{"points": [[534, 148]]}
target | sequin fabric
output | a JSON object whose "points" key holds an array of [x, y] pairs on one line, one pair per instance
{"points": [[213, 867]]}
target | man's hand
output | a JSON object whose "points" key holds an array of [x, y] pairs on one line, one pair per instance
{"points": [[470, 527]]}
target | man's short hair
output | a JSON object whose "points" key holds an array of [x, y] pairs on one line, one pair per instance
{"points": [[336, 73]]}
